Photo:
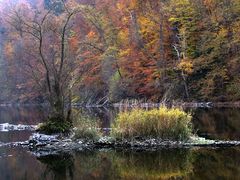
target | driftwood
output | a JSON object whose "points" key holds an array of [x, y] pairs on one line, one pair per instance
{"points": [[139, 104]]}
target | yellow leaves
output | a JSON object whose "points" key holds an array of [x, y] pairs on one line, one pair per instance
{"points": [[145, 22], [120, 6], [223, 32], [148, 30], [123, 36], [181, 2], [172, 19], [124, 52], [186, 66], [128, 4]]}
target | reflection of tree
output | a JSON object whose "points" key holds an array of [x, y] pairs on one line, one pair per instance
{"points": [[217, 123], [60, 166], [22, 115], [217, 163]]}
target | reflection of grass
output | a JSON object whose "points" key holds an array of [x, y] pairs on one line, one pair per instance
{"points": [[164, 164], [161, 123], [158, 165]]}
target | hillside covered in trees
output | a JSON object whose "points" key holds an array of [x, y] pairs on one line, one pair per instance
{"points": [[93, 50]]}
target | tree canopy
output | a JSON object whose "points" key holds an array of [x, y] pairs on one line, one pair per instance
{"points": [[112, 50]]}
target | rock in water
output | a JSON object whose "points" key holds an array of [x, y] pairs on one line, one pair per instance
{"points": [[42, 139]]}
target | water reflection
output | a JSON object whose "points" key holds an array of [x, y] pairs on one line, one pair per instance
{"points": [[22, 115], [112, 164], [18, 163], [217, 164], [14, 136], [217, 123], [58, 166], [163, 164]]}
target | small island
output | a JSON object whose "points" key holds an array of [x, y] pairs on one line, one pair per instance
{"points": [[137, 129]]}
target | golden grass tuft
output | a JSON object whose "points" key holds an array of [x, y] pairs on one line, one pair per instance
{"points": [[164, 123]]}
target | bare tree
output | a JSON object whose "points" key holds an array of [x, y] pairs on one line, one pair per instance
{"points": [[180, 47], [49, 33]]}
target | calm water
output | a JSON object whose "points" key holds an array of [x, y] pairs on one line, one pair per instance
{"points": [[196, 163]]}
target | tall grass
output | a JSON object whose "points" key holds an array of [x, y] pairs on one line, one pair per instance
{"points": [[172, 124], [86, 128]]}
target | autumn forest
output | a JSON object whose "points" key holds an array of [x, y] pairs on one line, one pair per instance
{"points": [[87, 51]]}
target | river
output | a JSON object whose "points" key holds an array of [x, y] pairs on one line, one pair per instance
{"points": [[184, 163]]}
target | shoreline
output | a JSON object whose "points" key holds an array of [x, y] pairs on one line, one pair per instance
{"points": [[133, 103], [235, 104], [41, 144]]}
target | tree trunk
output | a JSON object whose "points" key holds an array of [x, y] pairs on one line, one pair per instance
{"points": [[69, 111], [57, 104]]}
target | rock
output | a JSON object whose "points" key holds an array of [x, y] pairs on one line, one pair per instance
{"points": [[105, 140], [67, 140], [37, 138], [40, 144]]}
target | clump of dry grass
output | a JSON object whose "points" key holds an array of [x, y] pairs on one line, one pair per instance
{"points": [[171, 124], [87, 128]]}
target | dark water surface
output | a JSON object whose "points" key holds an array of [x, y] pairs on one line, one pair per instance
{"points": [[194, 163]]}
